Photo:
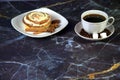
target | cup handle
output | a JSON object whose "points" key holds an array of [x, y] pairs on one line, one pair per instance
{"points": [[112, 21]]}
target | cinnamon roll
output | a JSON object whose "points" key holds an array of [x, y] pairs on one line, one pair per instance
{"points": [[37, 21]]}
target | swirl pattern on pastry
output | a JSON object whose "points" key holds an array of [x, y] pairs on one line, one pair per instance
{"points": [[37, 19]]}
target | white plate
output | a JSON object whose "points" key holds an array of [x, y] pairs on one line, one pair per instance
{"points": [[18, 24], [78, 28]]}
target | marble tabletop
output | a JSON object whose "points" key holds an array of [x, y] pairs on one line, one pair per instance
{"points": [[62, 56]]}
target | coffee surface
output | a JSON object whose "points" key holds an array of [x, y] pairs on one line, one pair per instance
{"points": [[94, 18]]}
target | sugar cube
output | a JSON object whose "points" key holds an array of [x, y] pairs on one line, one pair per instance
{"points": [[103, 35], [95, 36]]}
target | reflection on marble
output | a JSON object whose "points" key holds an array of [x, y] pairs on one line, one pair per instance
{"points": [[69, 43], [63, 56]]}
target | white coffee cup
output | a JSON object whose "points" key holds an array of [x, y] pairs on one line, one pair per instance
{"points": [[96, 27]]}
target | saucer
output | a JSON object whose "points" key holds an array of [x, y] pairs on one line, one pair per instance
{"points": [[78, 28]]}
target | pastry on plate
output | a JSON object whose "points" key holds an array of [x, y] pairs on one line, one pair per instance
{"points": [[37, 22]]}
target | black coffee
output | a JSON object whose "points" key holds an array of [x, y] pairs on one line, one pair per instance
{"points": [[94, 18]]}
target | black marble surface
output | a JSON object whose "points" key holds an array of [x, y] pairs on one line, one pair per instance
{"points": [[63, 56]]}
